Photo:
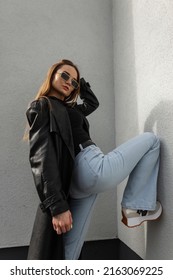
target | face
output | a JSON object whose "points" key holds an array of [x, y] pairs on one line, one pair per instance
{"points": [[62, 88]]}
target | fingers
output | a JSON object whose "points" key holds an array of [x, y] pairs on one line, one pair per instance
{"points": [[58, 230], [62, 222], [63, 229]]}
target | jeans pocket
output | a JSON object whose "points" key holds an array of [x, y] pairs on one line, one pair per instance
{"points": [[84, 178]]}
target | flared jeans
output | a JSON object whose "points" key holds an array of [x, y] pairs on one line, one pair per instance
{"points": [[95, 172]]}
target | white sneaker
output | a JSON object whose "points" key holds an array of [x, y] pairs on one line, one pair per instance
{"points": [[134, 218]]}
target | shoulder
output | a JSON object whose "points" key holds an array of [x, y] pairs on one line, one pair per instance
{"points": [[38, 109], [39, 104]]}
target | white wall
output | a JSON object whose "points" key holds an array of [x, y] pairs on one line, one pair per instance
{"points": [[143, 62], [34, 35]]}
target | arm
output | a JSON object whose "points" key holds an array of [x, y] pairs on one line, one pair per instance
{"points": [[45, 167], [44, 160], [90, 101]]}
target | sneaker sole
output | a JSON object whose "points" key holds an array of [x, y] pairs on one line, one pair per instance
{"points": [[132, 222]]}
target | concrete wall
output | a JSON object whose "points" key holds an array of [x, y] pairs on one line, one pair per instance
{"points": [[34, 35], [143, 62]]}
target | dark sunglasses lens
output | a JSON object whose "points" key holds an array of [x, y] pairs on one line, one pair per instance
{"points": [[74, 84], [65, 76]]}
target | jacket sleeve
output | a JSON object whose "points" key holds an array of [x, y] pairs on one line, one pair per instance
{"points": [[90, 101], [44, 159]]}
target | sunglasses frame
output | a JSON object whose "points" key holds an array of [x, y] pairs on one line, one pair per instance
{"points": [[74, 83]]}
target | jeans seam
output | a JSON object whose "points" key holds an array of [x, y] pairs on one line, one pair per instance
{"points": [[84, 226]]}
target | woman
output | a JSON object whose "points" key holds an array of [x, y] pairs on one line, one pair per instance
{"points": [[70, 170]]}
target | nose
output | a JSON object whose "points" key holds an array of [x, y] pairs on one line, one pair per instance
{"points": [[68, 82]]}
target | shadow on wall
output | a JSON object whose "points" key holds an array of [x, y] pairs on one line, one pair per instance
{"points": [[160, 121]]}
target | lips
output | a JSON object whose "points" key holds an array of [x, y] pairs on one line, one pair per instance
{"points": [[66, 88]]}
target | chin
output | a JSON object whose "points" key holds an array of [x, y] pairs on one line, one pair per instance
{"points": [[66, 94]]}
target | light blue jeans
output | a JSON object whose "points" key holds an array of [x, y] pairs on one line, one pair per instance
{"points": [[95, 172]]}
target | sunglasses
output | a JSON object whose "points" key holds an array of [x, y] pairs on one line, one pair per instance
{"points": [[65, 76]]}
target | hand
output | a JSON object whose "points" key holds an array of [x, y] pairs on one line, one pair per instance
{"points": [[62, 222], [84, 84]]}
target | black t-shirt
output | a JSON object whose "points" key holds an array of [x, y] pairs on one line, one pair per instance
{"points": [[79, 132]]}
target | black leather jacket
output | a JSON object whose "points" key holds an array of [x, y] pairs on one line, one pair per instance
{"points": [[51, 147]]}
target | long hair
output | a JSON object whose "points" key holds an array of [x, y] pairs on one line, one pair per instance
{"points": [[46, 86]]}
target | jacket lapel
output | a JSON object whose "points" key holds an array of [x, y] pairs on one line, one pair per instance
{"points": [[60, 124]]}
